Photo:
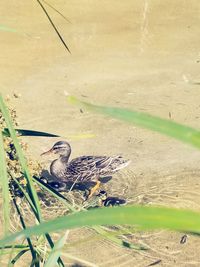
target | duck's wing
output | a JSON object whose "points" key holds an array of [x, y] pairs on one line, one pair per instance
{"points": [[89, 167]]}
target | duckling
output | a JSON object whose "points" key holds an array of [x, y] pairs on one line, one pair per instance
{"points": [[106, 201]]}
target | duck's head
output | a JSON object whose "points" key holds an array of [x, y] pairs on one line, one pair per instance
{"points": [[61, 148]]}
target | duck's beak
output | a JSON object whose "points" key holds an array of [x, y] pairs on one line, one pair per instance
{"points": [[48, 152]]}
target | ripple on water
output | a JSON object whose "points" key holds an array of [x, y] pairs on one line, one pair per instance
{"points": [[179, 189]]}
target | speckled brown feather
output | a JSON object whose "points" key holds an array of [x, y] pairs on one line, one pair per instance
{"points": [[87, 168]]}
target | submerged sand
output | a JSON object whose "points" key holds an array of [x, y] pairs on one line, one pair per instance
{"points": [[142, 55]]}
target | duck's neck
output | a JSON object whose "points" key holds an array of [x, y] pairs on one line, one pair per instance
{"points": [[59, 166], [64, 159]]}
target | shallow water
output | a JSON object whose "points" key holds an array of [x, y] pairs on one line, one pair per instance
{"points": [[142, 55]]}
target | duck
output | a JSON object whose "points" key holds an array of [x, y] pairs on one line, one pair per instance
{"points": [[108, 201], [84, 168]]}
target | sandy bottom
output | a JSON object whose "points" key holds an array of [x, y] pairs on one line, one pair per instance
{"points": [[142, 56]]}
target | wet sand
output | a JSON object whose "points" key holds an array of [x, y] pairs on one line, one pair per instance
{"points": [[142, 55]]}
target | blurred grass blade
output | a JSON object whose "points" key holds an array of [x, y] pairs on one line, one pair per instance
{"points": [[29, 133], [140, 216], [7, 29], [21, 157], [5, 187], [118, 241], [56, 251], [178, 131], [13, 30]]}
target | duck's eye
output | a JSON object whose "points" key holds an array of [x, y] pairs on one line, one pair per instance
{"points": [[58, 149]]}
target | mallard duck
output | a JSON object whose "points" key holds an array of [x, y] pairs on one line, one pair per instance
{"points": [[84, 168]]}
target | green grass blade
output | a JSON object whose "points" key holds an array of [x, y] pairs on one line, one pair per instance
{"points": [[21, 157], [23, 132], [48, 237], [56, 252], [15, 247], [55, 193], [5, 187], [141, 216], [50, 241], [17, 257], [26, 195], [22, 160], [31, 247], [178, 131], [7, 29]]}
